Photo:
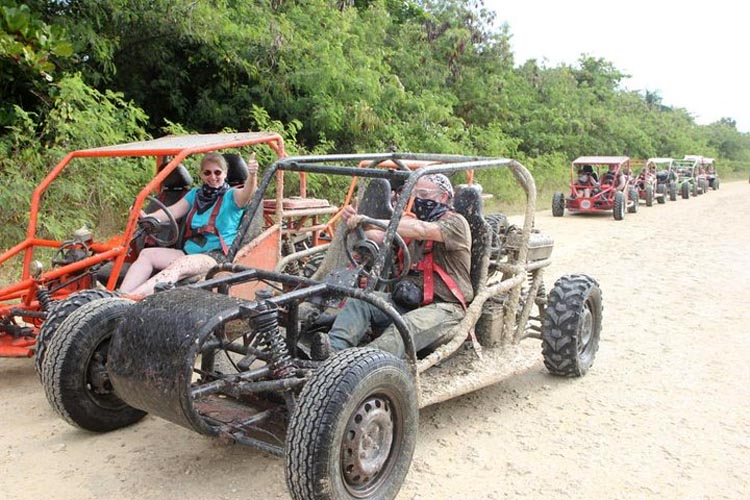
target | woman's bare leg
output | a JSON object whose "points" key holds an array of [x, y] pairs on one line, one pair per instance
{"points": [[182, 267], [150, 259]]}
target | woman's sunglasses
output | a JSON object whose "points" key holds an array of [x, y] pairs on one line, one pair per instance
{"points": [[217, 173]]}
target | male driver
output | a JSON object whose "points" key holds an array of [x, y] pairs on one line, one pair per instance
{"points": [[440, 239]]}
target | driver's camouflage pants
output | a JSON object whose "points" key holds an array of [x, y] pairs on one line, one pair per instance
{"points": [[428, 324]]}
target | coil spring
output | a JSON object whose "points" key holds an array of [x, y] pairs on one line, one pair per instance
{"points": [[266, 324], [293, 267], [44, 298]]}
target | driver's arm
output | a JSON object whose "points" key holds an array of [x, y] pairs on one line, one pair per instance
{"points": [[177, 209], [408, 227]]}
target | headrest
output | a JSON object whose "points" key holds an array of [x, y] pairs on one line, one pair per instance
{"points": [[468, 200], [236, 169], [375, 201], [178, 179]]}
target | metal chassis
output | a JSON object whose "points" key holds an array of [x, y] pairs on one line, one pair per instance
{"points": [[514, 274]]}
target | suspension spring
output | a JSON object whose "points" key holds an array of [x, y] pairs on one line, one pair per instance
{"points": [[266, 323], [45, 298], [541, 292], [292, 268]]}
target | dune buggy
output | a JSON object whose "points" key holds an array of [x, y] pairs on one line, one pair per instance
{"points": [[647, 183], [690, 179], [82, 269], [346, 426], [595, 186], [666, 177], [706, 171]]}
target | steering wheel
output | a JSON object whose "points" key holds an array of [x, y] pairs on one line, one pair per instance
{"points": [[152, 226], [368, 250]]}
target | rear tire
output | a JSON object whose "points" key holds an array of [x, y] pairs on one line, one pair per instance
{"points": [[618, 206], [58, 313], [353, 431], [74, 372], [558, 205], [572, 325]]}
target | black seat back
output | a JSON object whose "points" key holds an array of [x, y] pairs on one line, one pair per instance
{"points": [[468, 202], [374, 201], [174, 187], [236, 169]]}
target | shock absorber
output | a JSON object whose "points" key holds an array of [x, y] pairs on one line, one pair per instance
{"points": [[45, 298], [293, 267], [266, 323]]}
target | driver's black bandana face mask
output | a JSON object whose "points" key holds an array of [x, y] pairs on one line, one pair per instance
{"points": [[429, 210]]}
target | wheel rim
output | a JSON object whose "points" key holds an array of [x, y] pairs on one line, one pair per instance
{"points": [[98, 386], [370, 444], [585, 330]]}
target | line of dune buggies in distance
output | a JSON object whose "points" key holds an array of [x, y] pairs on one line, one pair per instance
{"points": [[618, 184]]}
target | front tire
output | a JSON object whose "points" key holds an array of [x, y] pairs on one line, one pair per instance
{"points": [[558, 205], [74, 372], [672, 191], [649, 196], [632, 200], [685, 190], [661, 194], [618, 206], [57, 314], [353, 431], [572, 325]]}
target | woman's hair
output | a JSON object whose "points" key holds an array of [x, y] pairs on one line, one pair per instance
{"points": [[216, 159]]}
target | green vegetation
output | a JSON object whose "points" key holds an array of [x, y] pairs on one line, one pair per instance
{"points": [[330, 75]]}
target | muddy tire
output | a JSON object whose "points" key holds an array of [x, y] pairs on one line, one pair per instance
{"points": [[685, 190], [694, 189], [661, 194], [353, 432], [618, 207], [715, 184], [572, 325], [57, 314], [649, 196], [73, 374], [672, 191], [558, 205], [632, 200]]}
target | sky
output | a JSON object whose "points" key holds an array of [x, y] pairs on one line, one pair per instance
{"points": [[696, 55]]}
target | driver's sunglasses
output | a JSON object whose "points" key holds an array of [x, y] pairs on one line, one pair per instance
{"points": [[425, 192], [217, 173]]}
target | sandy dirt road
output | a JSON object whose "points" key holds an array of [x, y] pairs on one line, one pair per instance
{"points": [[663, 413]]}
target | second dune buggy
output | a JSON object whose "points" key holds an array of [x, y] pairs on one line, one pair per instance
{"points": [[598, 184], [346, 426]]}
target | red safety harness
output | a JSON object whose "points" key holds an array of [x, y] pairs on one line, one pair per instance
{"points": [[209, 228], [428, 267]]}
